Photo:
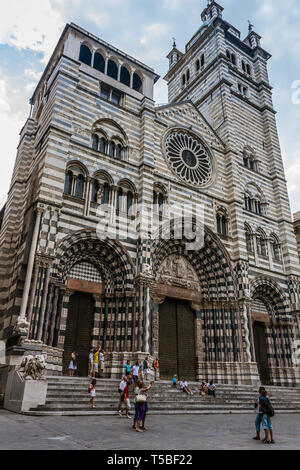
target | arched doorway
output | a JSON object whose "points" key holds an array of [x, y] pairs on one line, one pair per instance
{"points": [[78, 333], [261, 352], [177, 351]]}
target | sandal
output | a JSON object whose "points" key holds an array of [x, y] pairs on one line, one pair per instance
{"points": [[272, 442], [139, 430], [144, 428], [265, 441]]}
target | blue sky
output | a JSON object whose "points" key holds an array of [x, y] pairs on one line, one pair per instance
{"points": [[30, 30]]}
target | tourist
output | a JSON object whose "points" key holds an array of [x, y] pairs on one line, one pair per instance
{"points": [[137, 406], [126, 401], [91, 361], [73, 363], [185, 387], [141, 370], [259, 415], [211, 389], [267, 413], [92, 392], [128, 368], [156, 368], [135, 372], [121, 389], [142, 400], [146, 368], [204, 389], [174, 381], [101, 362], [96, 362]]}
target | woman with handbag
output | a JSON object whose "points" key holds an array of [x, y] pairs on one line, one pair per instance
{"points": [[141, 398]]}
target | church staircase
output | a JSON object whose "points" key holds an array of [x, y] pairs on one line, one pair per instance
{"points": [[68, 397]]}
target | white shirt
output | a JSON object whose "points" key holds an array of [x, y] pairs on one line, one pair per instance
{"points": [[101, 357], [122, 385], [136, 370], [182, 384], [91, 357]]}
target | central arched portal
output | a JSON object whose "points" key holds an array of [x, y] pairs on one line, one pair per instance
{"points": [[261, 352], [79, 331], [177, 352]]}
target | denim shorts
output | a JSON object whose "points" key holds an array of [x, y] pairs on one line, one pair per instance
{"points": [[267, 423]]}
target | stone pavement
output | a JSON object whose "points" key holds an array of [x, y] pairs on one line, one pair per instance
{"points": [[218, 432]]}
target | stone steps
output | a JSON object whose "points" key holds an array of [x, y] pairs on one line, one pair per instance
{"points": [[67, 396]]}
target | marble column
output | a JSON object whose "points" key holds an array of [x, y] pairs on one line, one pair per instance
{"points": [[44, 304], [33, 291], [53, 316], [23, 308], [48, 313], [147, 319]]}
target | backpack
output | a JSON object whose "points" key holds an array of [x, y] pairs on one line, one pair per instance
{"points": [[89, 389], [270, 410]]}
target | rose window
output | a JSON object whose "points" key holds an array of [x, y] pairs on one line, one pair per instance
{"points": [[189, 158]]}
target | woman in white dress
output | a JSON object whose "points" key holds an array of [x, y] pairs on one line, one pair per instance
{"points": [[73, 364]]}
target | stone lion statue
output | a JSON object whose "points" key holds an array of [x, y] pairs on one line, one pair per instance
{"points": [[33, 367]]}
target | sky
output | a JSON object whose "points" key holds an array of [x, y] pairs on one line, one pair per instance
{"points": [[29, 31]]}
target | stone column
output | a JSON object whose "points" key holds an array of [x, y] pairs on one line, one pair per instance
{"points": [[140, 321], [53, 317], [147, 319], [48, 312], [116, 324], [33, 291], [133, 329], [126, 324], [244, 309], [106, 309], [43, 306], [22, 317]]}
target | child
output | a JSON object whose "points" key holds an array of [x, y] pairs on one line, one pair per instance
{"points": [[175, 381], [135, 370], [128, 368], [265, 409], [92, 392], [259, 416]]}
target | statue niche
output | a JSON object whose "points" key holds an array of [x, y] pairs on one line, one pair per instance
{"points": [[178, 272]]}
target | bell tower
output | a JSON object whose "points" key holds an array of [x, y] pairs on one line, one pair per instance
{"points": [[225, 76]]}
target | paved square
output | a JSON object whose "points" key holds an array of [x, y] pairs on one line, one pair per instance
{"points": [[217, 432]]}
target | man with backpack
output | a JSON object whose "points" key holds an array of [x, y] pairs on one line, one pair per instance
{"points": [[267, 411]]}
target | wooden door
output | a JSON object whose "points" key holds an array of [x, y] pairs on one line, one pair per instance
{"points": [[79, 331], [259, 334], [177, 353]]}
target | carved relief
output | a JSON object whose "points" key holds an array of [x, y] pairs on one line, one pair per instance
{"points": [[33, 368], [177, 271]]}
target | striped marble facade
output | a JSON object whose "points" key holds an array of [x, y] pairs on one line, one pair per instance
{"points": [[232, 112]]}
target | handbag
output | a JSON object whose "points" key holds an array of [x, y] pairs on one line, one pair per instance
{"points": [[141, 399]]}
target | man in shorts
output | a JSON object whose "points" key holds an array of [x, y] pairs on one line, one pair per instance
{"points": [[101, 362], [96, 362]]}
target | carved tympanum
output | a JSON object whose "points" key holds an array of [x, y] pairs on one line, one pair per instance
{"points": [[177, 271]]}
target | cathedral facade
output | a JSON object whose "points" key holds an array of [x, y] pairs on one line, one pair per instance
{"points": [[98, 152]]}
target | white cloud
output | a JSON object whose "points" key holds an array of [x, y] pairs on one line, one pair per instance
{"points": [[33, 74], [30, 24], [12, 118]]}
